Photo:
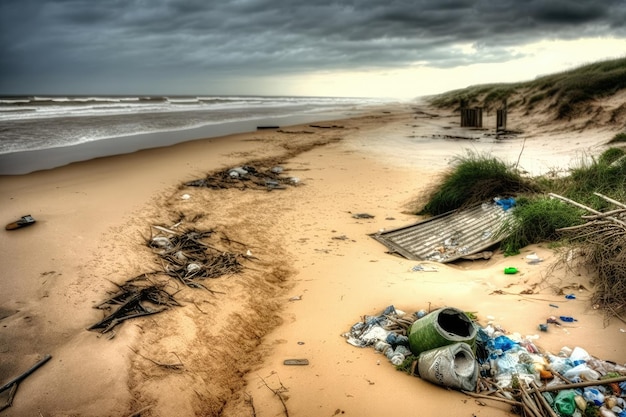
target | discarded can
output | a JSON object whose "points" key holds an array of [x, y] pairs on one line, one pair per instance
{"points": [[510, 270], [453, 366]]}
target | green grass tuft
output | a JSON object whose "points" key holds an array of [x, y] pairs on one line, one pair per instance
{"points": [[536, 220], [474, 179], [620, 137]]}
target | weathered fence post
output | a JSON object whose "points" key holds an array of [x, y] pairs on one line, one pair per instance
{"points": [[501, 117], [471, 117]]}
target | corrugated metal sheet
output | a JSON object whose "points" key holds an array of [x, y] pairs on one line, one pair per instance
{"points": [[449, 236]]}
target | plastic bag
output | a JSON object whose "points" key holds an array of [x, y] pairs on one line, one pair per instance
{"points": [[503, 343], [594, 396], [559, 364], [564, 402], [581, 373]]}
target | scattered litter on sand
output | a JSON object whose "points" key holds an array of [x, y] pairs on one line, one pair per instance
{"points": [[449, 348]]}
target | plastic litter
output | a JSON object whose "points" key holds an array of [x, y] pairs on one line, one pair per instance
{"points": [[567, 319], [564, 402], [441, 327], [505, 203], [581, 372], [533, 259], [510, 270], [593, 395], [570, 296], [452, 366]]}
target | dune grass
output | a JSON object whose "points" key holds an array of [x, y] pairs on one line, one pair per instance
{"points": [[565, 92], [619, 137], [476, 178]]}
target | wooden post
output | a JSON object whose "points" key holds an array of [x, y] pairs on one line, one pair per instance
{"points": [[501, 117]]}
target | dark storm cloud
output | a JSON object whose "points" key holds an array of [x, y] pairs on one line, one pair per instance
{"points": [[156, 39]]}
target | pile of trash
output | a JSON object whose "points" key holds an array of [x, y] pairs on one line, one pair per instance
{"points": [[449, 348], [247, 177]]}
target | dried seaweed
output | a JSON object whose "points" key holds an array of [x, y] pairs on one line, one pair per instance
{"points": [[186, 258], [246, 177]]}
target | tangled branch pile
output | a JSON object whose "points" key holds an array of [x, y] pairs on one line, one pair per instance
{"points": [[138, 296], [602, 244], [186, 259]]}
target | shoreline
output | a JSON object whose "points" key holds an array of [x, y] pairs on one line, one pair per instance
{"points": [[93, 217], [28, 161]]}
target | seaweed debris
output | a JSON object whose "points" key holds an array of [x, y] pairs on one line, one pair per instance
{"points": [[186, 259], [247, 177]]}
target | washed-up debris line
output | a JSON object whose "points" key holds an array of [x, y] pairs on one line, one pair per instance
{"points": [[247, 177], [601, 241], [509, 368], [186, 259]]}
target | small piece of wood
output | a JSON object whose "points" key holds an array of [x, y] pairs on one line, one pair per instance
{"points": [[610, 200], [582, 206], [582, 384], [544, 402], [20, 378], [489, 397]]}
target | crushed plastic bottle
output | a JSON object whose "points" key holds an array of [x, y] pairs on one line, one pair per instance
{"points": [[397, 359]]}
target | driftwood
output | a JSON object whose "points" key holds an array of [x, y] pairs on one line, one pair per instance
{"points": [[134, 307], [12, 384], [186, 257], [602, 239], [23, 376], [589, 209], [582, 384]]}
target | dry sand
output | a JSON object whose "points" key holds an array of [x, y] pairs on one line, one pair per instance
{"points": [[93, 219]]}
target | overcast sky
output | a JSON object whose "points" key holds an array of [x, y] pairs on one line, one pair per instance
{"points": [[395, 48]]}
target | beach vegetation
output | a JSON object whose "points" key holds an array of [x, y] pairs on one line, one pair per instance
{"points": [[566, 93], [619, 137], [605, 174], [474, 179], [537, 219]]}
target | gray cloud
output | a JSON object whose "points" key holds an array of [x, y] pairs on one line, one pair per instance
{"points": [[64, 41]]}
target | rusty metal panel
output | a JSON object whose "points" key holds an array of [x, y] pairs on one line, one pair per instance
{"points": [[450, 236]]}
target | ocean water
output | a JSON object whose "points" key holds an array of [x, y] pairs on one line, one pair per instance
{"points": [[36, 123]]}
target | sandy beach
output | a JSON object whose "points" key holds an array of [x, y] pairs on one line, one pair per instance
{"points": [[310, 273]]}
